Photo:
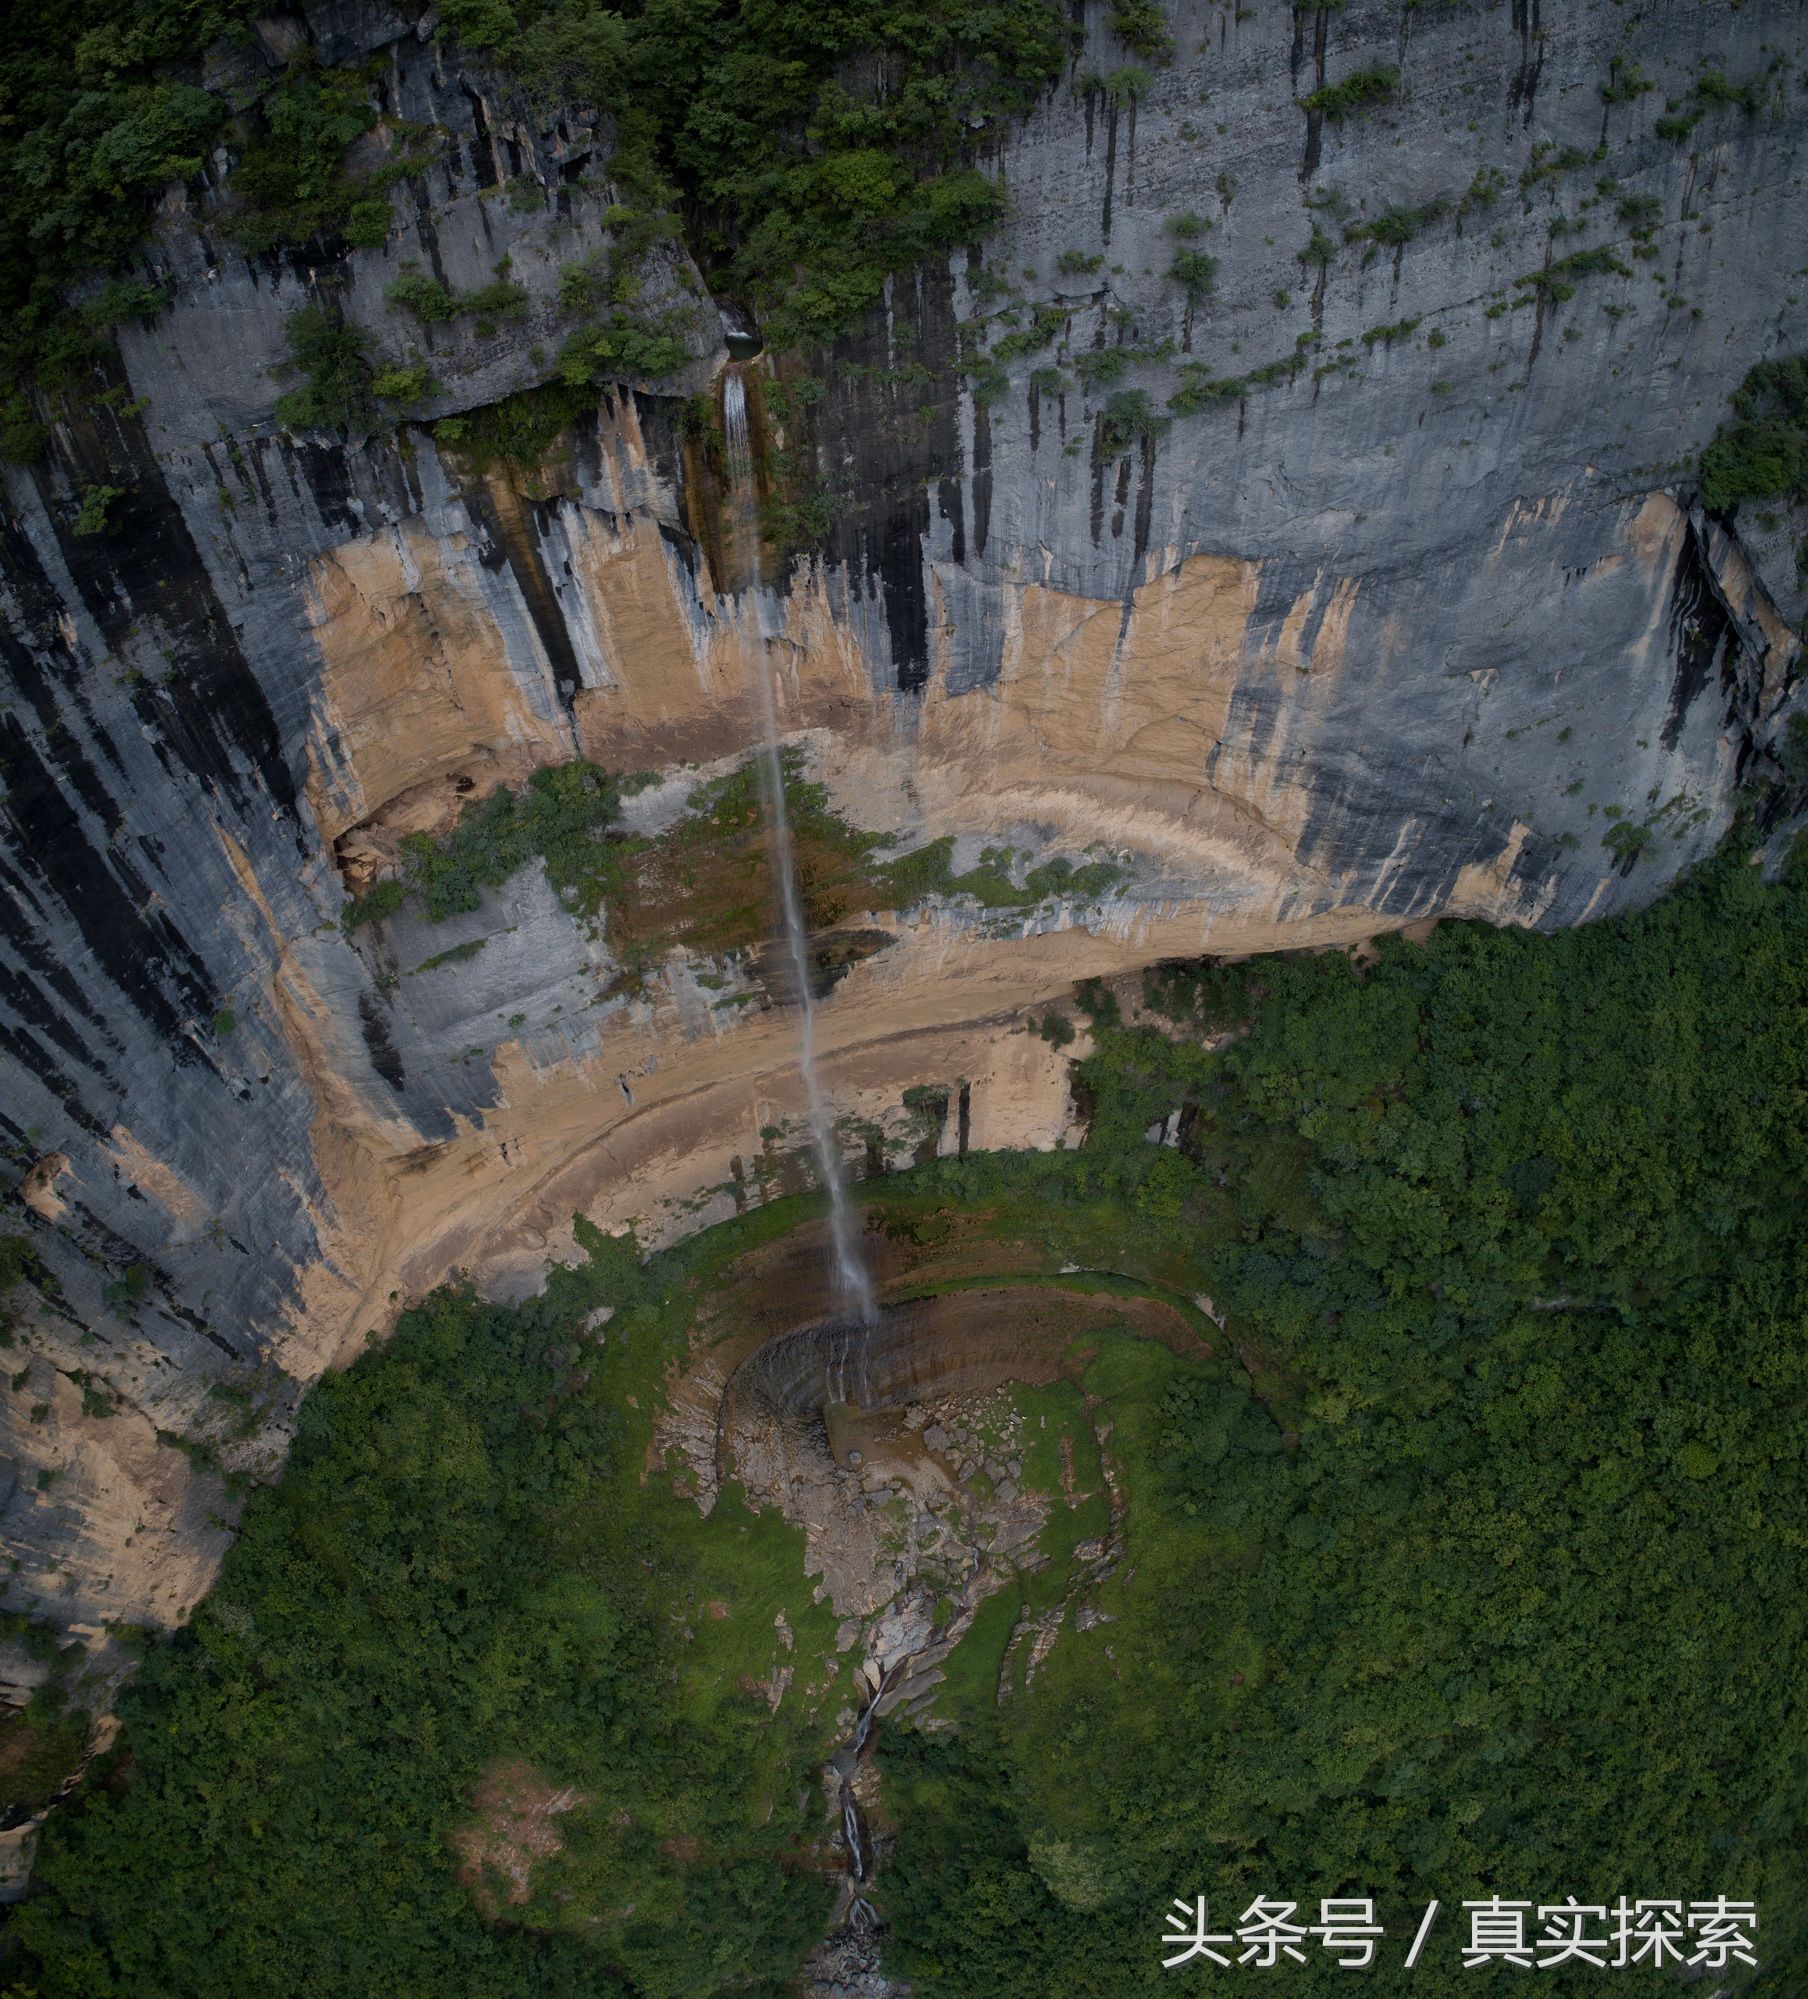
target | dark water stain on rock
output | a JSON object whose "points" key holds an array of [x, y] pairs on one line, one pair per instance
{"points": [[1523, 92], [1700, 631], [385, 1059]]}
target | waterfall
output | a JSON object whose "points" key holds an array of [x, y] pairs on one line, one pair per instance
{"points": [[740, 450], [851, 1277]]}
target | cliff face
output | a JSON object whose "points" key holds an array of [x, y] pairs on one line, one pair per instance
{"points": [[1403, 623]]}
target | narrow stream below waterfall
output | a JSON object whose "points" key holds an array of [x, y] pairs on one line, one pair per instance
{"points": [[846, 1761]]}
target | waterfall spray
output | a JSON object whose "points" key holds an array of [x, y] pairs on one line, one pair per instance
{"points": [[851, 1275]]}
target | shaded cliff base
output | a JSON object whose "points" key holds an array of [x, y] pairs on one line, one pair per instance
{"points": [[278, 1131], [667, 1114], [773, 1659], [664, 1132], [956, 1035], [1367, 1396]]}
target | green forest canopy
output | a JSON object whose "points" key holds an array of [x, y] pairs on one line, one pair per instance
{"points": [[810, 150], [1763, 453], [1473, 1566]]}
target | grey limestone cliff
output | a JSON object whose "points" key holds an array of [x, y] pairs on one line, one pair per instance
{"points": [[1402, 609]]}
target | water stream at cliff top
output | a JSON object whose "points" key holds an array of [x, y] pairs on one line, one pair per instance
{"points": [[851, 1276]]}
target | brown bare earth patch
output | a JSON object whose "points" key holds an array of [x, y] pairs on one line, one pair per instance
{"points": [[779, 1284], [707, 883], [518, 1812]]}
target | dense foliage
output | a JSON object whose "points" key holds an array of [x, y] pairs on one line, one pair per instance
{"points": [[101, 108], [1501, 1594], [92, 124], [811, 151], [41, 1743], [462, 1568], [1470, 1565], [560, 816], [342, 387], [705, 883], [1764, 454], [814, 149]]}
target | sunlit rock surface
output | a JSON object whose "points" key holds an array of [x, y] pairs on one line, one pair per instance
{"points": [[1399, 634]]}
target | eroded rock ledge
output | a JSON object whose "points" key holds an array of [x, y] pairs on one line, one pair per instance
{"points": [[1353, 647]]}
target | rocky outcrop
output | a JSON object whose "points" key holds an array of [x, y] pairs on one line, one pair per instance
{"points": [[1410, 612]]}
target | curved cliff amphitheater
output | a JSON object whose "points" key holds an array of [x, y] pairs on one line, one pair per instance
{"points": [[901, 993]]}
